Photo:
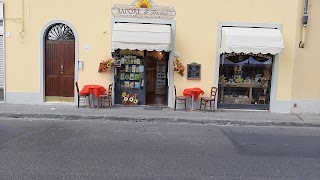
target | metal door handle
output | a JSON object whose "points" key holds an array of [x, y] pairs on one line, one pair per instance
{"points": [[61, 69]]}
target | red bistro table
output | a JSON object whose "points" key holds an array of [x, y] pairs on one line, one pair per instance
{"points": [[194, 94], [96, 90]]}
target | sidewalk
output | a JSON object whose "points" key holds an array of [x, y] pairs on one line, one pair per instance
{"points": [[145, 114]]}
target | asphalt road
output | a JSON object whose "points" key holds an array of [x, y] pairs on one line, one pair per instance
{"points": [[81, 149]]}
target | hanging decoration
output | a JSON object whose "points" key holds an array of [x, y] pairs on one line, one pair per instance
{"points": [[106, 64], [178, 66], [129, 99], [264, 56]]}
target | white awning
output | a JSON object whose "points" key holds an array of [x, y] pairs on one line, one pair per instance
{"points": [[251, 40], [141, 36], [1, 10]]}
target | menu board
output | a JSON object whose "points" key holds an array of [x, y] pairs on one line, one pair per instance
{"points": [[194, 71]]}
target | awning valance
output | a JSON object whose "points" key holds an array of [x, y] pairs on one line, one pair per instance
{"points": [[141, 36], [251, 40]]}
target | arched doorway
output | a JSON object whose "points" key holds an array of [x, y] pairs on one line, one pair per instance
{"points": [[59, 63]]}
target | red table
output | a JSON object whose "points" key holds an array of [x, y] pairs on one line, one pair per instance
{"points": [[96, 90], [194, 94]]}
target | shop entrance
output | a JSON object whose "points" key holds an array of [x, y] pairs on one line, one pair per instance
{"points": [[244, 81], [156, 78], [141, 77], [59, 64]]}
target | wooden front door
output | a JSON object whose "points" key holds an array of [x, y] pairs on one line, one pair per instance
{"points": [[59, 68]]}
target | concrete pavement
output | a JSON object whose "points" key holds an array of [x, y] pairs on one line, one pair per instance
{"points": [[150, 114]]}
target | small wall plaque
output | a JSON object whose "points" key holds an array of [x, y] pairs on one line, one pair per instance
{"points": [[194, 71]]}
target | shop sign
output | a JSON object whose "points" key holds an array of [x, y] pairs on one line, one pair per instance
{"points": [[194, 71], [143, 9]]}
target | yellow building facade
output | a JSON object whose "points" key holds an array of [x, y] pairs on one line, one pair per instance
{"points": [[195, 36]]}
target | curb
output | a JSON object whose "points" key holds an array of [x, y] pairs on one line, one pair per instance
{"points": [[160, 119]]}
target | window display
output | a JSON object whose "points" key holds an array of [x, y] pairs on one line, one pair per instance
{"points": [[244, 79], [129, 77], [130, 73]]}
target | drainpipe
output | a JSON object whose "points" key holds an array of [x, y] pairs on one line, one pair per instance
{"points": [[304, 23]]}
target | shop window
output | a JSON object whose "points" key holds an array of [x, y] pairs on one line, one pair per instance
{"points": [[244, 81], [141, 77], [1, 94], [130, 77]]}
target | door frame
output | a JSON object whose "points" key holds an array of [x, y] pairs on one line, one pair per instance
{"points": [[42, 56]]}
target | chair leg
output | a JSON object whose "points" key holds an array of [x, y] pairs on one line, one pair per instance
{"points": [[205, 105], [101, 102], [185, 104], [200, 103], [78, 101], [89, 104], [210, 106], [175, 104]]}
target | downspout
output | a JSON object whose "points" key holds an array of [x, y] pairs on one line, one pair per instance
{"points": [[304, 23]]}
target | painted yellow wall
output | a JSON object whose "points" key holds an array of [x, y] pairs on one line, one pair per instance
{"points": [[197, 32], [196, 36], [306, 84], [91, 21]]}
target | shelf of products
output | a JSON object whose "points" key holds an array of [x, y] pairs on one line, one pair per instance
{"points": [[161, 77], [129, 79], [131, 72]]}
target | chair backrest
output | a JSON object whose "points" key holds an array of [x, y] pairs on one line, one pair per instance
{"points": [[110, 89], [213, 92], [77, 87]]}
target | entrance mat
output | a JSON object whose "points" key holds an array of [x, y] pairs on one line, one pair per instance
{"points": [[59, 99], [153, 108]]}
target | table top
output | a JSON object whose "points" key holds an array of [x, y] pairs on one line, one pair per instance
{"points": [[94, 89], [193, 92]]}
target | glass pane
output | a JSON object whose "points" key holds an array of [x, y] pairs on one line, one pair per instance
{"points": [[60, 32], [130, 77], [244, 81], [1, 94]]}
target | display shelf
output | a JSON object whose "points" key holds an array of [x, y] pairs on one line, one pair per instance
{"points": [[161, 77], [131, 72], [130, 78]]}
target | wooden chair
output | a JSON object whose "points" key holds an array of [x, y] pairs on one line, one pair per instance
{"points": [[179, 100], [262, 98], [106, 98], [211, 99], [81, 96]]}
